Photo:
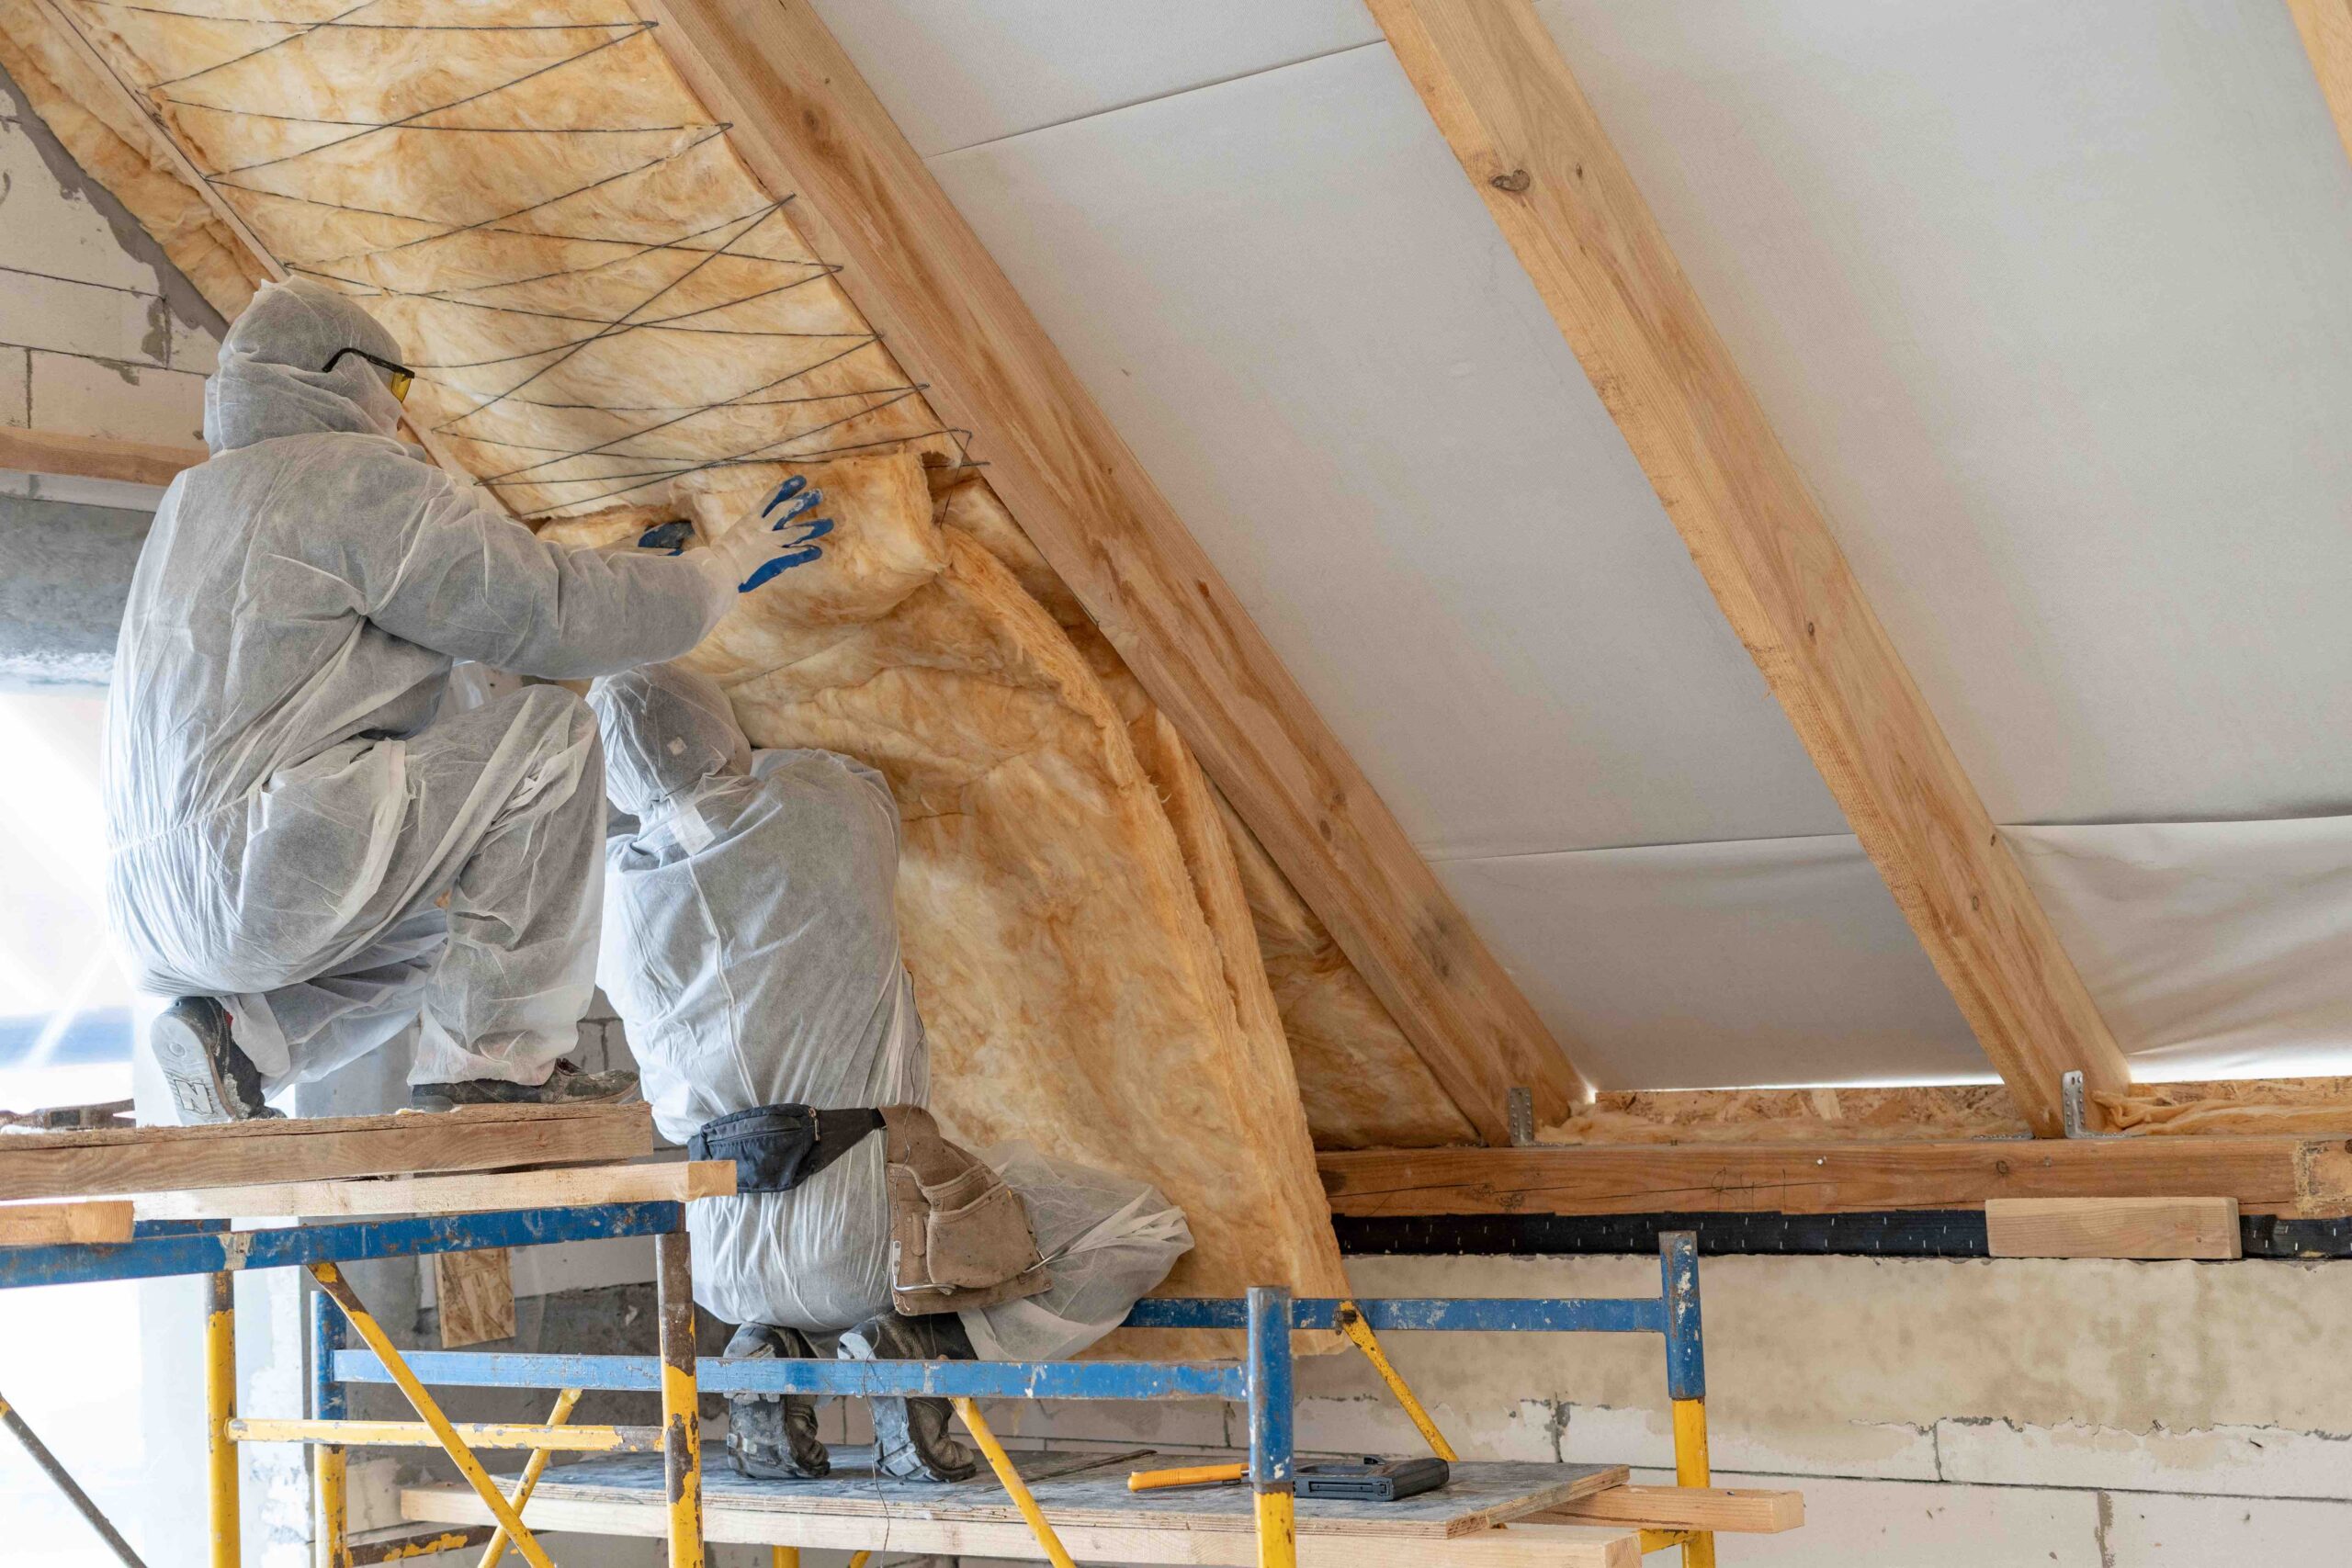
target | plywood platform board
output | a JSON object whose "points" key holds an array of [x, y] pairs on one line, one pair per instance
{"points": [[150, 1159], [1084, 1496]]}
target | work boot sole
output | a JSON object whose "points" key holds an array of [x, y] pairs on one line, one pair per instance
{"points": [[202, 1093]]}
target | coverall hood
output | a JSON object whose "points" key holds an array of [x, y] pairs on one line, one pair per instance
{"points": [[269, 385], [666, 729]]}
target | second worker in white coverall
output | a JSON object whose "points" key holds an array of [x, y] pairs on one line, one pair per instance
{"points": [[751, 949]]}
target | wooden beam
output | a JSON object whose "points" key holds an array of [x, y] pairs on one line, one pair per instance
{"points": [[1722, 1509], [2326, 27], [93, 457], [1495, 82], [804, 122], [2308, 1177], [727, 1517], [667, 1181], [148, 1160], [94, 1220], [2112, 1227]]}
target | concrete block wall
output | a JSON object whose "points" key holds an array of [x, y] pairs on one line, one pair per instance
{"points": [[99, 333], [1937, 1414]]}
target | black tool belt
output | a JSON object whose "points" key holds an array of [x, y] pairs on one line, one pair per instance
{"points": [[777, 1147]]}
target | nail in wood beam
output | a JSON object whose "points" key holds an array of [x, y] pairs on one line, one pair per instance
{"points": [[804, 122], [1495, 82]]}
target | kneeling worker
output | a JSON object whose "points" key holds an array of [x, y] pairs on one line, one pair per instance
{"points": [[751, 949], [303, 846]]}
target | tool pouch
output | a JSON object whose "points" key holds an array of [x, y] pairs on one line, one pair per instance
{"points": [[959, 1235], [774, 1148]]}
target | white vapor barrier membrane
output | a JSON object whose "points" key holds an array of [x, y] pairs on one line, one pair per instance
{"points": [[955, 75], [1691, 965], [2214, 949], [2048, 302], [1300, 316]]}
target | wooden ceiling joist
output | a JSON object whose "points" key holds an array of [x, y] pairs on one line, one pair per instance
{"points": [[2301, 1177], [808, 124], [1498, 89]]}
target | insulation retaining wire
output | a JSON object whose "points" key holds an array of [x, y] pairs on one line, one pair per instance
{"points": [[496, 414]]}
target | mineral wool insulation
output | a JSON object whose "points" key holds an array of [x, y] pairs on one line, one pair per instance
{"points": [[613, 322]]}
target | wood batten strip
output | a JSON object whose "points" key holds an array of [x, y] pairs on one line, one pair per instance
{"points": [[806, 123], [93, 457], [1493, 81]]}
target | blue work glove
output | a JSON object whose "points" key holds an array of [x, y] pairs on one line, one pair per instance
{"points": [[670, 538], [781, 536]]}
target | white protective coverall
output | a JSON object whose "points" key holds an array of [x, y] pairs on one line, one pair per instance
{"points": [[285, 810], [751, 947]]}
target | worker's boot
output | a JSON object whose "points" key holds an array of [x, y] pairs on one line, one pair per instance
{"points": [[567, 1084], [211, 1080], [773, 1436], [910, 1437]]}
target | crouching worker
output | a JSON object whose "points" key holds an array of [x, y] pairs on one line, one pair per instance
{"points": [[303, 849], [751, 949]]}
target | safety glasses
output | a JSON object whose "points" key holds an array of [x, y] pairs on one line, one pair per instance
{"points": [[398, 377]]}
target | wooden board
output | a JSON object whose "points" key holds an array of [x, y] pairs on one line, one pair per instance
{"points": [[473, 1296], [2326, 27], [50, 1224], [147, 1159], [1737, 1511], [1515, 1545], [2112, 1227], [804, 120], [673, 1181], [2304, 1177], [1493, 80], [94, 458], [1094, 1492], [1098, 1519]]}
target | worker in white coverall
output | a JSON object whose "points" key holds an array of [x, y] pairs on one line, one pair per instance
{"points": [[751, 947], [296, 829]]}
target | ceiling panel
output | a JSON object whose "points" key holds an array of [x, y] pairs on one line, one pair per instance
{"points": [[1687, 965], [2049, 303], [954, 74], [1294, 308]]}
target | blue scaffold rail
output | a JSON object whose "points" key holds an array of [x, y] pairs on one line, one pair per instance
{"points": [[969, 1380], [159, 1250], [1591, 1315]]}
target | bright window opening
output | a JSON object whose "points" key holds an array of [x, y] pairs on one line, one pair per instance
{"points": [[69, 1354]]}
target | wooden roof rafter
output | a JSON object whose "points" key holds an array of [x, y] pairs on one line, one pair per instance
{"points": [[1493, 81], [804, 120], [2326, 29]]}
